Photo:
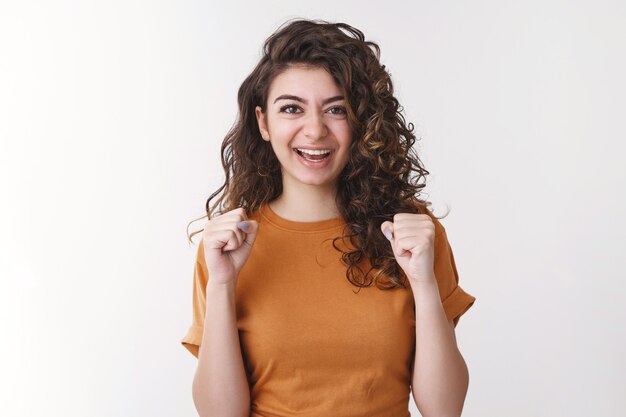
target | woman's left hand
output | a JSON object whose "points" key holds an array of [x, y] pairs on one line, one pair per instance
{"points": [[412, 238]]}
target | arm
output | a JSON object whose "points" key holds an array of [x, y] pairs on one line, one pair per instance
{"points": [[440, 376], [220, 385]]}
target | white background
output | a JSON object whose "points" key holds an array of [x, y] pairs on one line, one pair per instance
{"points": [[111, 118]]}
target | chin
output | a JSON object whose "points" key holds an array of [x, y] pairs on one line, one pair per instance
{"points": [[315, 181]]}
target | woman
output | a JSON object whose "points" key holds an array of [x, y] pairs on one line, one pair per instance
{"points": [[320, 198]]}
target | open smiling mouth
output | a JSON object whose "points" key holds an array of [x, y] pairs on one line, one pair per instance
{"points": [[313, 156]]}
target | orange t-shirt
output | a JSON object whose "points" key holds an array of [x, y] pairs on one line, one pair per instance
{"points": [[312, 346]]}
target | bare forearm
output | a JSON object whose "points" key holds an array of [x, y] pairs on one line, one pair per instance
{"points": [[440, 375], [220, 385]]}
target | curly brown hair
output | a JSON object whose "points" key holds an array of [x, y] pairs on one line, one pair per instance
{"points": [[383, 173]]}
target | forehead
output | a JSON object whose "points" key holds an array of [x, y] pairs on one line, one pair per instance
{"points": [[304, 82]]}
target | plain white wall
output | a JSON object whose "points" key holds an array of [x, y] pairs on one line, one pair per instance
{"points": [[111, 118]]}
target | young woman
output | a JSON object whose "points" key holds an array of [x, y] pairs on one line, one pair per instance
{"points": [[323, 285]]}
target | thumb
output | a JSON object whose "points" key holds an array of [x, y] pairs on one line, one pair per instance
{"points": [[250, 232], [387, 229]]}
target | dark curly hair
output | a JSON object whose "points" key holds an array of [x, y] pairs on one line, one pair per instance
{"points": [[383, 173]]}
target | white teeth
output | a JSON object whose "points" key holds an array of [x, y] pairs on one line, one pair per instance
{"points": [[314, 152]]}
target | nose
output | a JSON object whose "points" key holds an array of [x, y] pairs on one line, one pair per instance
{"points": [[314, 126]]}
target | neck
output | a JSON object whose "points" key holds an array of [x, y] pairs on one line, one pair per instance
{"points": [[306, 203]]}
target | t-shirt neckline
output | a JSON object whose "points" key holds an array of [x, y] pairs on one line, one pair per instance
{"points": [[317, 226]]}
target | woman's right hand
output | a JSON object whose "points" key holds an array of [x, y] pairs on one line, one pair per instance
{"points": [[227, 246]]}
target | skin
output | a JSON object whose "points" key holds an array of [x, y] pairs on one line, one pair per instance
{"points": [[308, 194], [439, 377]]}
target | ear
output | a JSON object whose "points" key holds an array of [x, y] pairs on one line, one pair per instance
{"points": [[260, 118]]}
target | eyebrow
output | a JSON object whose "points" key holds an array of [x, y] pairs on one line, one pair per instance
{"points": [[301, 100]]}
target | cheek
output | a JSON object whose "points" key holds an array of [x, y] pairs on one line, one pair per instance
{"points": [[345, 154], [279, 150], [281, 139], [283, 129], [342, 133]]}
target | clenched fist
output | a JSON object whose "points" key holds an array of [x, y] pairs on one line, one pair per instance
{"points": [[227, 240], [412, 237]]}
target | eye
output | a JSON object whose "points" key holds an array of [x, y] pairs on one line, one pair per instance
{"points": [[340, 108], [289, 106]]}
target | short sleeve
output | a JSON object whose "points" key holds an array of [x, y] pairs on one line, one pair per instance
{"points": [[454, 299], [192, 339]]}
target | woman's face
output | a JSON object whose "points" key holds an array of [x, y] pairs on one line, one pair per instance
{"points": [[306, 111]]}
